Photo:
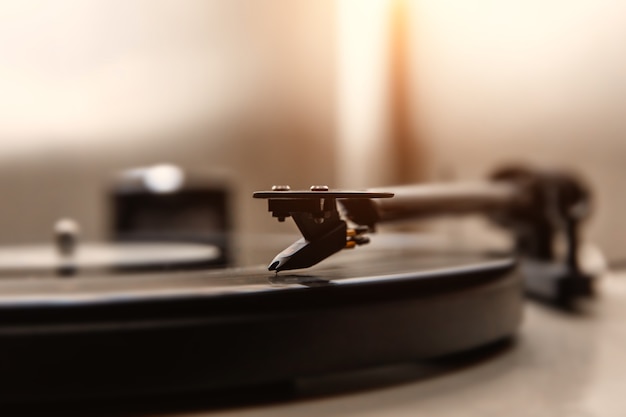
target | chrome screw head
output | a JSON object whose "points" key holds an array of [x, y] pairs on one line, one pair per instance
{"points": [[319, 188], [281, 188]]}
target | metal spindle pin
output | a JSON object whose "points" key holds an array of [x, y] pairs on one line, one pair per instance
{"points": [[66, 232]]}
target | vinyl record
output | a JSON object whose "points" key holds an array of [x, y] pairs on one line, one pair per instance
{"points": [[115, 335]]}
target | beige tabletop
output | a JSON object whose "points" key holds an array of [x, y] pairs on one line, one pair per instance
{"points": [[560, 364]]}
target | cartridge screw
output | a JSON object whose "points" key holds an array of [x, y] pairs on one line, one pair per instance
{"points": [[281, 188], [319, 188]]}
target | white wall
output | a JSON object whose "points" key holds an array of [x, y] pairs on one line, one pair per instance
{"points": [[543, 81], [243, 88]]}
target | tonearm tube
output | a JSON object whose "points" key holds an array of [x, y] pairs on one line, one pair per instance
{"points": [[535, 206]]}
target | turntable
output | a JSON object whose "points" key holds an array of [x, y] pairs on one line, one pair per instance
{"points": [[136, 319]]}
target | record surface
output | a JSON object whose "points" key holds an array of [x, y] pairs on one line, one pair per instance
{"points": [[118, 336]]}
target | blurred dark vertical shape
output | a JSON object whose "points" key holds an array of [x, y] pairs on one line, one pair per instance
{"points": [[408, 166]]}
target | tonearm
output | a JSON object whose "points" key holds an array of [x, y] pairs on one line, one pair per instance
{"points": [[536, 206]]}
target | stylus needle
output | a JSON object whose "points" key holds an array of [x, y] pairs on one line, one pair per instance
{"points": [[281, 261], [304, 253]]}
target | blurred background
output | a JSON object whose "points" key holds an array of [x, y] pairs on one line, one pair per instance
{"points": [[349, 93]]}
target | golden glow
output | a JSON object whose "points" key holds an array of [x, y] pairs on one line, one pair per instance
{"points": [[362, 89]]}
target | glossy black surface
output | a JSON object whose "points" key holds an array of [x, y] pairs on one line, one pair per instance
{"points": [[148, 334]]}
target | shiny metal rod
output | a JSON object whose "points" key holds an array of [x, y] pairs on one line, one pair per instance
{"points": [[415, 201]]}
